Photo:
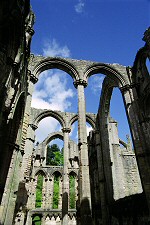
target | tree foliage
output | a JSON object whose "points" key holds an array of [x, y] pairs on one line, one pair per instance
{"points": [[54, 155]]}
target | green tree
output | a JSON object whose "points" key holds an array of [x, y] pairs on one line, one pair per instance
{"points": [[54, 155]]}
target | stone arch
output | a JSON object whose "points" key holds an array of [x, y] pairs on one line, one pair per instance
{"points": [[73, 173], [57, 173], [49, 113], [41, 172], [52, 136], [102, 126], [42, 64], [89, 119], [115, 72]]}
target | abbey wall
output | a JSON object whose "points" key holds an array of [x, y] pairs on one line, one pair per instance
{"points": [[111, 181]]}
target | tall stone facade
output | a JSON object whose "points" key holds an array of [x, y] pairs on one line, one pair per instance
{"points": [[111, 181]]}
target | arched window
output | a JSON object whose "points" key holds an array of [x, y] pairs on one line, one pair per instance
{"points": [[38, 202], [56, 190], [72, 191]]}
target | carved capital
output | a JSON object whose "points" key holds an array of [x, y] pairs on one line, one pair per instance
{"points": [[66, 130], [80, 82]]}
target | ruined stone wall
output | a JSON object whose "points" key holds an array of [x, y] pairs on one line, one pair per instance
{"points": [[126, 184]]}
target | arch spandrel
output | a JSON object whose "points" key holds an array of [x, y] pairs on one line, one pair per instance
{"points": [[38, 64], [116, 72]]}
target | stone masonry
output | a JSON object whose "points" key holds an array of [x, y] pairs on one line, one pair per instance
{"points": [[111, 177]]}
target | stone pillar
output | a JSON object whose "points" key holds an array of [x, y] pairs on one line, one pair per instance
{"points": [[32, 194], [51, 191], [47, 203], [84, 179], [65, 189], [76, 189], [102, 182], [60, 193], [44, 192]]}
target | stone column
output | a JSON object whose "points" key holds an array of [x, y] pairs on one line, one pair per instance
{"points": [[84, 180], [44, 192], [51, 191], [47, 204], [102, 182], [65, 189], [60, 193]]}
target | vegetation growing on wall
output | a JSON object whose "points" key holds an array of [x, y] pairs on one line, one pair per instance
{"points": [[72, 192], [56, 192], [36, 220], [39, 187]]}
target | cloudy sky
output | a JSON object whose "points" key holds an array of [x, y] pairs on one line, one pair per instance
{"points": [[104, 31]]}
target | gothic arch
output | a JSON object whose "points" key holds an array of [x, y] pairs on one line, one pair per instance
{"points": [[73, 173], [40, 64], [115, 72], [42, 172], [49, 113], [57, 173], [52, 136], [89, 119], [102, 126]]}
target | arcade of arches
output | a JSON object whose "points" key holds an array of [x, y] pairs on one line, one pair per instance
{"points": [[108, 181]]}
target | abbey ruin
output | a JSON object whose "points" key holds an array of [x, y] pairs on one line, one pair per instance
{"points": [[111, 183]]}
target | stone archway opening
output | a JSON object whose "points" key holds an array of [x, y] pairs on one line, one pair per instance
{"points": [[118, 113], [54, 155], [54, 90], [45, 127], [93, 92]]}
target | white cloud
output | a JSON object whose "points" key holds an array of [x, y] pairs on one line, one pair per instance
{"points": [[96, 83], [51, 91], [52, 48], [79, 7], [46, 126]]}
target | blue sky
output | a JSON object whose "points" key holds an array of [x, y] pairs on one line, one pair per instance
{"points": [[105, 31]]}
